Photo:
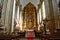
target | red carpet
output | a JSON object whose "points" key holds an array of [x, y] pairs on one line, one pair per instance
{"points": [[30, 37]]}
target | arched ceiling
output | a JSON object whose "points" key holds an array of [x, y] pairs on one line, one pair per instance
{"points": [[25, 2]]}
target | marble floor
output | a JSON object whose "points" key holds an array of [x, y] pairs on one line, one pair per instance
{"points": [[26, 39]]}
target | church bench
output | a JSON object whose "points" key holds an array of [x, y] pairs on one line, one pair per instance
{"points": [[9, 37], [50, 37]]}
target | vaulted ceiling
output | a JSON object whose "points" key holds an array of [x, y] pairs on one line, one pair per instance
{"points": [[25, 2]]}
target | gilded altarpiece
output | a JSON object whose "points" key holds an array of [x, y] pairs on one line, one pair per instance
{"points": [[29, 17]]}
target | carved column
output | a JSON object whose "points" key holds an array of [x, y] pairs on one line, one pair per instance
{"points": [[58, 2]]}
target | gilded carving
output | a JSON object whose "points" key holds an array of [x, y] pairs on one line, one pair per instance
{"points": [[29, 17]]}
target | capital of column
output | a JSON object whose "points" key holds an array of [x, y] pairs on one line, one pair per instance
{"points": [[40, 3], [19, 4]]}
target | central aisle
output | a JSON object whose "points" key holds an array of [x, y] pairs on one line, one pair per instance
{"points": [[30, 35]]}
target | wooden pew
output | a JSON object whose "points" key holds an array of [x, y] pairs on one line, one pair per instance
{"points": [[9, 37], [50, 37]]}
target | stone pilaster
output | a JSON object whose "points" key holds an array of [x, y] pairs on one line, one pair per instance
{"points": [[39, 13], [51, 16], [58, 14], [55, 9], [47, 8], [13, 16], [18, 12], [8, 15], [4, 12], [21, 17]]}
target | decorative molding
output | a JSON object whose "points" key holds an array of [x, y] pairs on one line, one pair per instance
{"points": [[29, 17]]}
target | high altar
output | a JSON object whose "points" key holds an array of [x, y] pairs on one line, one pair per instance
{"points": [[29, 17]]}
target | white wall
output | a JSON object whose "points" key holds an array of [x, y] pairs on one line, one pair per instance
{"points": [[58, 7], [1, 1], [57, 1]]}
